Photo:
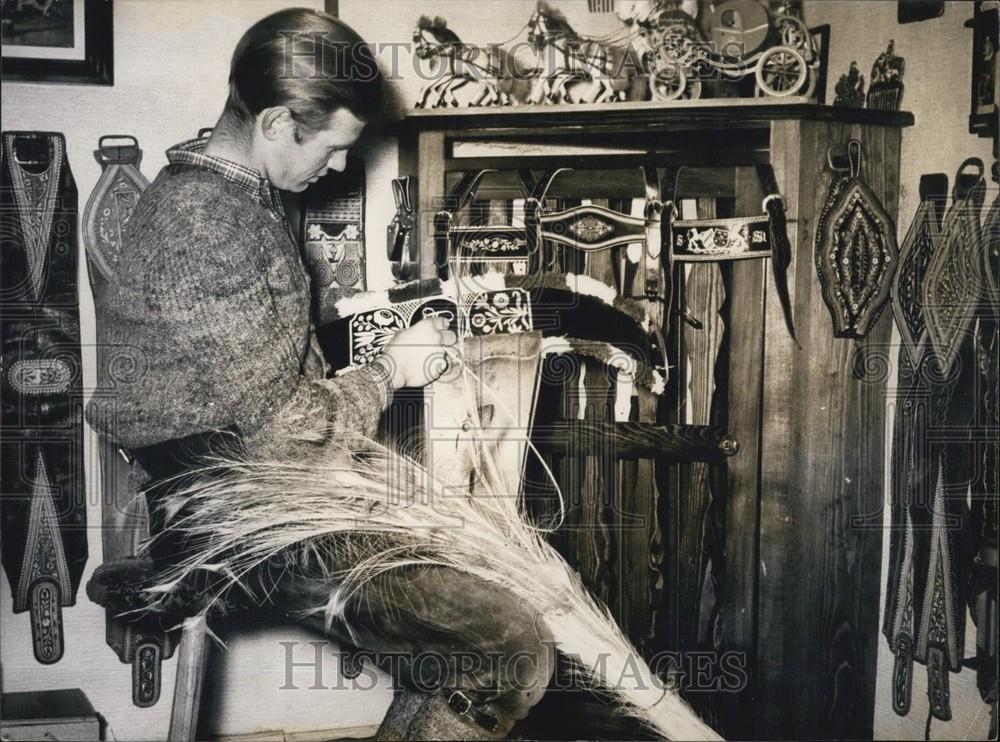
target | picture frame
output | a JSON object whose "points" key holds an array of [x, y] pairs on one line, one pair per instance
{"points": [[985, 98], [821, 40], [58, 41]]}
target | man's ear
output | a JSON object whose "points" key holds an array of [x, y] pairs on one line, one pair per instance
{"points": [[276, 122]]}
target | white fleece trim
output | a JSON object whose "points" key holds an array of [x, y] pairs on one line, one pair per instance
{"points": [[364, 301], [555, 345], [591, 287], [659, 384], [489, 281]]}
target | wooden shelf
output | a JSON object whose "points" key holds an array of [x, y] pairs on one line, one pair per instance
{"points": [[792, 583], [639, 116]]}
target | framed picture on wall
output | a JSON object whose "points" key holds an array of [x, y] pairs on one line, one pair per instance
{"points": [[821, 41], [60, 41], [985, 85]]}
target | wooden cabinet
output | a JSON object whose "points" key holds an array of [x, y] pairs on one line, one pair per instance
{"points": [[771, 562]]}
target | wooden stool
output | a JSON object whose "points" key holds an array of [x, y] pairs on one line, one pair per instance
{"points": [[192, 658]]}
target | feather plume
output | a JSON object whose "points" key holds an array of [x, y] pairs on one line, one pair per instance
{"points": [[363, 505]]}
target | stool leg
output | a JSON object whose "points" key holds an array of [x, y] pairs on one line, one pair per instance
{"points": [[192, 657]]}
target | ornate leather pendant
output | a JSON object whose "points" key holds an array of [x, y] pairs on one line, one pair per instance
{"points": [[914, 258], [111, 204], [856, 251], [954, 284], [44, 536]]}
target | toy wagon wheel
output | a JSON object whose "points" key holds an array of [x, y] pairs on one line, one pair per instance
{"points": [[795, 34], [668, 82], [810, 83], [781, 71]]}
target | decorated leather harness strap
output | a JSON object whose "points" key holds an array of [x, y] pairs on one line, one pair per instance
{"points": [[111, 204], [740, 238], [556, 305], [138, 640], [954, 286], [43, 528], [923, 237], [913, 467], [943, 389], [401, 245]]}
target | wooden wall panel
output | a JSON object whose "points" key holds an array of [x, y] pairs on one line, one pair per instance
{"points": [[740, 382]]}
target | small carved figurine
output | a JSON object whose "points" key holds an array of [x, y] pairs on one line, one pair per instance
{"points": [[851, 88], [886, 89]]}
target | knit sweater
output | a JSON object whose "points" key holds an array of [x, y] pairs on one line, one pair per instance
{"points": [[210, 309]]}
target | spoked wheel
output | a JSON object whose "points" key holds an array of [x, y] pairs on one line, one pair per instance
{"points": [[668, 82], [781, 71], [794, 33]]}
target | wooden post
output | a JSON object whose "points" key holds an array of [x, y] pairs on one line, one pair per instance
{"points": [[430, 192], [821, 469]]}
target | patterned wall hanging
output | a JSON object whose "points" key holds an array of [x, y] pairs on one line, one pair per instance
{"points": [[856, 251], [334, 227], [44, 536], [914, 257], [954, 284]]}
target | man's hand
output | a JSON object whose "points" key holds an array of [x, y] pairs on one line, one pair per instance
{"points": [[418, 355]]}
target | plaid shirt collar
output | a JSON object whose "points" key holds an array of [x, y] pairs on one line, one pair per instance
{"points": [[192, 152]]}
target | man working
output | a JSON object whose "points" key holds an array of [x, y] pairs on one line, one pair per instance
{"points": [[212, 293]]}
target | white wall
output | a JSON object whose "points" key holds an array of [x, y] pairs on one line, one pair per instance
{"points": [[938, 76]]}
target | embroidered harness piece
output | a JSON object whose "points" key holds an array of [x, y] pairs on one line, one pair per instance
{"points": [[44, 537], [721, 239], [954, 284], [856, 251], [738, 238], [111, 204], [490, 305], [942, 552], [915, 254]]}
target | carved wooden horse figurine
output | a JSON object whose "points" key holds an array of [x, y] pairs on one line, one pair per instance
{"points": [[565, 58], [493, 69]]}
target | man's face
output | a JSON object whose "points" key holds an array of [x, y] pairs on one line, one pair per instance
{"points": [[293, 166]]}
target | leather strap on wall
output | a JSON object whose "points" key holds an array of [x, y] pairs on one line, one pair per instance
{"points": [[111, 204], [781, 248], [43, 532]]}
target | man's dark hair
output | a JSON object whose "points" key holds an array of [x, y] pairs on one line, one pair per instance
{"points": [[308, 61]]}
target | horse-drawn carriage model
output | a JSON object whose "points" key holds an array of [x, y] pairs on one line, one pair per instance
{"points": [[661, 51], [744, 37]]}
